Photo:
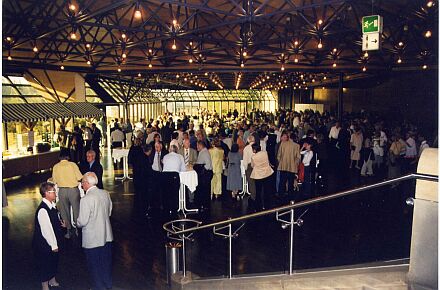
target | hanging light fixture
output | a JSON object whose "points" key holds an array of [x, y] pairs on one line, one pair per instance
{"points": [[424, 66], [124, 55], [429, 4], [428, 34], [150, 65], [399, 60], [174, 46], [72, 7], [190, 60], [73, 35], [320, 21], [88, 62], [296, 59], [282, 67], [9, 57], [62, 67], [320, 44], [35, 49], [334, 64], [119, 69], [137, 12], [364, 68]]}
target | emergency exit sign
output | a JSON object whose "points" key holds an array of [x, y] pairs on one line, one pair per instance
{"points": [[372, 24]]}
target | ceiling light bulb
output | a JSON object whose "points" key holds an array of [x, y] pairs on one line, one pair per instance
{"points": [[334, 64], [9, 57], [366, 54], [242, 64], [282, 68], [174, 46], [177, 76], [150, 51], [137, 14], [190, 60], [296, 59], [150, 65], [320, 45], [296, 42], [245, 53], [72, 7], [139, 75], [428, 34], [313, 80], [399, 60], [430, 4], [364, 69], [320, 21], [62, 67], [88, 62], [335, 50], [35, 49], [400, 43], [9, 38], [124, 55], [424, 66], [174, 22], [325, 77], [119, 69], [124, 36], [88, 45], [185, 79], [73, 35]]}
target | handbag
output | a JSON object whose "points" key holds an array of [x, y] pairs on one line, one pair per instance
{"points": [[301, 172]]}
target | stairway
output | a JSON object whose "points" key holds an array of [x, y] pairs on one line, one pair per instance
{"points": [[362, 277]]}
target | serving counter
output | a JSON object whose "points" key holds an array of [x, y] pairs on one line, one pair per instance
{"points": [[27, 164]]}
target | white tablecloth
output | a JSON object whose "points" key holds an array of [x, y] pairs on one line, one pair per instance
{"points": [[117, 154], [189, 178]]}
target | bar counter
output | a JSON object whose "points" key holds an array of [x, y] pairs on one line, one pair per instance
{"points": [[27, 164]]}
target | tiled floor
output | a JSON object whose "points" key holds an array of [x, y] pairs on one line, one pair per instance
{"points": [[370, 226]]}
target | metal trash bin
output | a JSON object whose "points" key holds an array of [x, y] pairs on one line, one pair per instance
{"points": [[172, 256]]}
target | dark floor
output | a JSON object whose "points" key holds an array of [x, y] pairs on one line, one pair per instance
{"points": [[370, 226]]}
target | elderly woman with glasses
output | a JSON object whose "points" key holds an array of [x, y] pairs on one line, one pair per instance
{"points": [[47, 236]]}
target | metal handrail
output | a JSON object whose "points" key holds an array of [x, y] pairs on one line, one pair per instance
{"points": [[412, 176]]}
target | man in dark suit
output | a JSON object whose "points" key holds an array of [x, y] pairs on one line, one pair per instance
{"points": [[92, 165], [96, 139], [156, 161]]}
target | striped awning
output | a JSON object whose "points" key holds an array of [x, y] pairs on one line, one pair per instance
{"points": [[84, 109], [54, 110], [44, 111], [21, 113]]}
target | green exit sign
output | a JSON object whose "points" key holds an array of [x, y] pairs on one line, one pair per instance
{"points": [[371, 24]]}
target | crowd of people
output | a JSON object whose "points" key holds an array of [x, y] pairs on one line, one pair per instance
{"points": [[282, 154], [265, 155]]}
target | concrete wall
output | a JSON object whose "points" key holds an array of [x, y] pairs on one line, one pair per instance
{"points": [[423, 269], [411, 94]]}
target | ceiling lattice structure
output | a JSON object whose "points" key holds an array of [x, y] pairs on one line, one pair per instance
{"points": [[229, 37]]}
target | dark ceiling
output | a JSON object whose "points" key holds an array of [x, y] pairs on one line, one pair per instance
{"points": [[217, 40]]}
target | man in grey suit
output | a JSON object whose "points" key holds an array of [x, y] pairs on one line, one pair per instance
{"points": [[188, 153], [94, 219]]}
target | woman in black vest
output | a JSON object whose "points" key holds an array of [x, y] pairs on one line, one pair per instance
{"points": [[47, 236]]}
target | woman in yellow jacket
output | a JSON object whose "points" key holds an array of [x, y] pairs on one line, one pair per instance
{"points": [[217, 154]]}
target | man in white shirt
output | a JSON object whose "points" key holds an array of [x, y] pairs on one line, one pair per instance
{"points": [[117, 137], [97, 235], [203, 167], [47, 236], [173, 162], [334, 132]]}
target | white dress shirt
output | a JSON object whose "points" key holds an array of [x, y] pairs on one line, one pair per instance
{"points": [[156, 161], [46, 225], [247, 155], [117, 136], [334, 132], [308, 155], [204, 158], [173, 162], [411, 150]]}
